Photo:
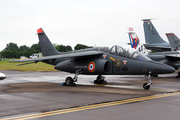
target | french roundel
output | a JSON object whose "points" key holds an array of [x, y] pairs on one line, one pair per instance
{"points": [[91, 66]]}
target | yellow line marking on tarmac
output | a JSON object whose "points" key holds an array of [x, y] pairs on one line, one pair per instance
{"points": [[88, 107]]}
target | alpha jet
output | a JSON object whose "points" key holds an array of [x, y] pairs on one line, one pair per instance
{"points": [[99, 61]]}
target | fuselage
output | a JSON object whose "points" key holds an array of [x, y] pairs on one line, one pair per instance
{"points": [[110, 63]]}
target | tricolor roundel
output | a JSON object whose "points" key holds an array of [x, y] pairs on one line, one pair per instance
{"points": [[91, 67]]}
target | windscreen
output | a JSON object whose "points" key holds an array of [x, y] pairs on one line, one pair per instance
{"points": [[129, 53], [139, 56]]}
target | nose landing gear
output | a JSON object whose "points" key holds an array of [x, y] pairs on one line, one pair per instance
{"points": [[146, 86]]}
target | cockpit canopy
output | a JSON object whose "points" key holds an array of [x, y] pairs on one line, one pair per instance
{"points": [[125, 52]]}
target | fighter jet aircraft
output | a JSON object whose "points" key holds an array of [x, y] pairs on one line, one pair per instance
{"points": [[2, 76], [99, 61], [153, 39], [171, 58], [174, 41]]}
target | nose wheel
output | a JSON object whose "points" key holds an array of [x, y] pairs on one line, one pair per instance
{"points": [[146, 86]]}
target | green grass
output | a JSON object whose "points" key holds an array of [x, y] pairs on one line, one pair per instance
{"points": [[40, 66]]}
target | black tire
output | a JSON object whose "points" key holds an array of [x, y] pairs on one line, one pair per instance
{"points": [[155, 75], [100, 82], [95, 82], [178, 75], [145, 86], [69, 81], [73, 84], [105, 82]]}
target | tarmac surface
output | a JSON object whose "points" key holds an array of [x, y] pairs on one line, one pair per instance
{"points": [[40, 95]]}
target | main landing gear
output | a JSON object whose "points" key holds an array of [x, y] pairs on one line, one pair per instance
{"points": [[100, 80], [70, 81], [146, 86]]}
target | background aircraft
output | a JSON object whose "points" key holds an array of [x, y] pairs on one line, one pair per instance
{"points": [[134, 40], [153, 39], [99, 61], [174, 41], [171, 58], [2, 76]]}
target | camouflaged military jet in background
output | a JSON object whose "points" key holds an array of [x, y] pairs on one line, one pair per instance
{"points": [[153, 39]]}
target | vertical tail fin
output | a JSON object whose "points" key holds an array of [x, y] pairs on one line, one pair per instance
{"points": [[134, 40], [47, 48], [151, 35], [173, 40]]}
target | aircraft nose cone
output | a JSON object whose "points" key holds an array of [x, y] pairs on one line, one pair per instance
{"points": [[164, 69], [168, 68]]}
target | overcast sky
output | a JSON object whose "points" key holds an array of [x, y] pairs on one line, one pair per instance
{"points": [[89, 22]]}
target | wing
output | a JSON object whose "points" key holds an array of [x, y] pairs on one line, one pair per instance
{"points": [[70, 55]]}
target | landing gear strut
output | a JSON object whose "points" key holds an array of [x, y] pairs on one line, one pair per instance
{"points": [[70, 81], [146, 86], [178, 75], [100, 80]]}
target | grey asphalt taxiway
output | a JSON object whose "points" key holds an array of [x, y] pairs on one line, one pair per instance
{"points": [[40, 95]]}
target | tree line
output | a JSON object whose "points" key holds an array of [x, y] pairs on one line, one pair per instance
{"points": [[13, 51]]}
